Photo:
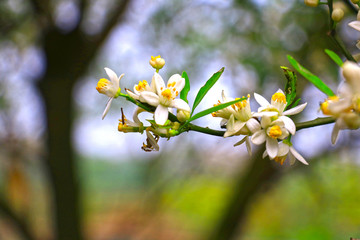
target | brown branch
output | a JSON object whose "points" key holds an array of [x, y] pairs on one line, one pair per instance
{"points": [[19, 223]]}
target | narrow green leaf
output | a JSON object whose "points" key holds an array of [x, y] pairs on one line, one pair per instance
{"points": [[310, 77], [204, 89], [290, 86], [214, 109], [334, 57], [186, 89], [296, 103]]}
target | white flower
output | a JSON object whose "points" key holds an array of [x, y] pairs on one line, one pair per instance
{"points": [[270, 132], [237, 117], [275, 109], [142, 86], [125, 125], [151, 142], [164, 97], [356, 25], [286, 150], [346, 106], [109, 88]]}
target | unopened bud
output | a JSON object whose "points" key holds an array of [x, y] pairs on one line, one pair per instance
{"points": [[337, 14], [183, 115], [157, 62], [312, 3]]}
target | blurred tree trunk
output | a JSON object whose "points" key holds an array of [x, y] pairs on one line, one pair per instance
{"points": [[259, 176], [68, 56], [56, 89]]}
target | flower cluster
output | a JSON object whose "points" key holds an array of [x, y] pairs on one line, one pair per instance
{"points": [[345, 106], [270, 124]]}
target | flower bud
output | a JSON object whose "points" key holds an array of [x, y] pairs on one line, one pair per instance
{"points": [[351, 72], [182, 115], [157, 62], [337, 14], [312, 3]]}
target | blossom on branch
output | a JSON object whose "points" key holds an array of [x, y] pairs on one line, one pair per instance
{"points": [[109, 88], [164, 97]]}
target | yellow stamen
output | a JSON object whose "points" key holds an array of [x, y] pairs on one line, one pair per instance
{"points": [[241, 104], [103, 82], [279, 97], [324, 107], [275, 132], [280, 159], [141, 86], [167, 94]]}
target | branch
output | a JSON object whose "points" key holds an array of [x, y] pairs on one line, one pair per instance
{"points": [[118, 12], [333, 35], [314, 123], [42, 10], [20, 224]]}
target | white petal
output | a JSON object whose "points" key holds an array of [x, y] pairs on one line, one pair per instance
{"points": [[159, 83], [161, 114], [241, 141], [133, 95], [258, 137], [180, 104], [233, 128], [108, 104], [253, 125], [152, 141], [248, 145], [179, 81], [272, 147], [355, 25], [295, 110], [265, 122], [230, 126], [261, 100], [298, 156], [289, 124], [264, 154], [150, 97], [335, 133], [283, 149], [136, 119], [112, 75], [266, 114], [292, 159]]}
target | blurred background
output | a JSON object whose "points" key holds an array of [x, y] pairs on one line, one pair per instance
{"points": [[66, 174]]}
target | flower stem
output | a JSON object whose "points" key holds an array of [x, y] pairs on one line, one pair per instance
{"points": [[333, 35], [314, 123]]}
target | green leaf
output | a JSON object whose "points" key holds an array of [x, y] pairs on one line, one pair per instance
{"points": [[214, 109], [186, 89], [204, 89], [334, 57], [310, 77], [290, 87], [296, 102]]}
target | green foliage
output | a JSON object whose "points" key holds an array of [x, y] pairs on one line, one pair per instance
{"points": [[290, 87], [310, 77], [204, 89], [186, 89], [214, 109], [334, 57]]}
